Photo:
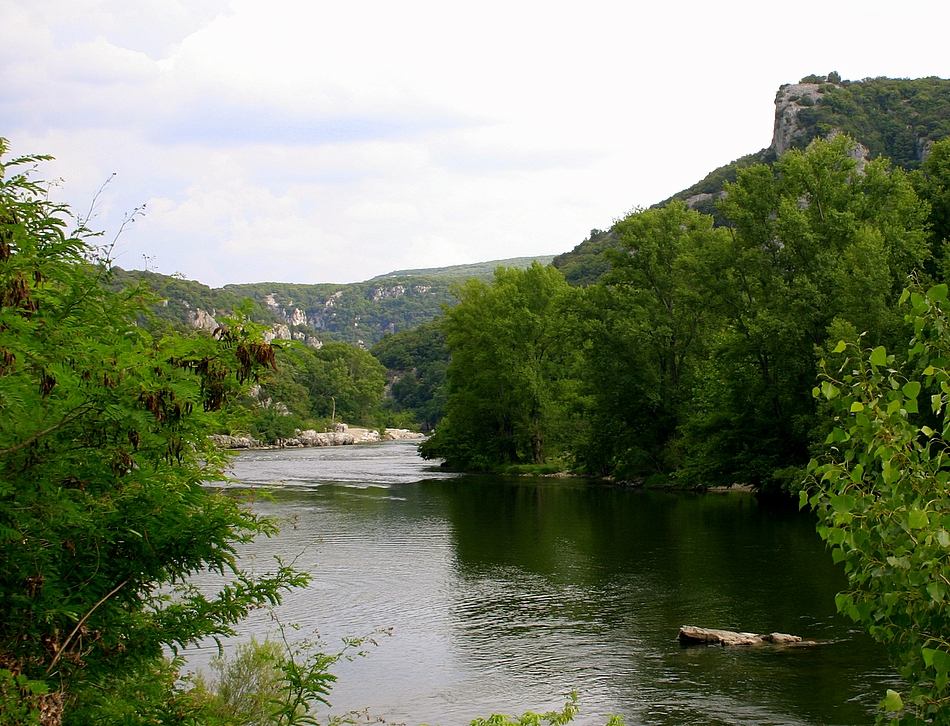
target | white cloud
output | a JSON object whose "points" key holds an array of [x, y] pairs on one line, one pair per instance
{"points": [[318, 141]]}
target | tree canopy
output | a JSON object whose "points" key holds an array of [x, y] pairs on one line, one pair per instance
{"points": [[103, 512]]}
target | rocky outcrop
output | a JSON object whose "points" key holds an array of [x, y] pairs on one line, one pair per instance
{"points": [[202, 320], [691, 635], [387, 293], [297, 317], [225, 441], [278, 331], [401, 435], [342, 435], [789, 101]]}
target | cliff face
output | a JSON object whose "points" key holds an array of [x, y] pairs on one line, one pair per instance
{"points": [[896, 118], [789, 102]]}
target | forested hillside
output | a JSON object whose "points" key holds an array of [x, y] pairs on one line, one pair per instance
{"points": [[360, 313], [899, 119]]}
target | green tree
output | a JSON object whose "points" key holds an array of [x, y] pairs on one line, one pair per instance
{"points": [[345, 381], [647, 325], [416, 361], [103, 454], [511, 383], [881, 494], [818, 237], [932, 182]]}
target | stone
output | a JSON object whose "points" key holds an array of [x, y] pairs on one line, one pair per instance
{"points": [[691, 635], [401, 435]]}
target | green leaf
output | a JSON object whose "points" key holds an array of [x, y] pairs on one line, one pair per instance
{"points": [[842, 503], [943, 537], [857, 406], [840, 347], [917, 519], [829, 390], [937, 590], [879, 356], [893, 701], [937, 292], [911, 389], [926, 431]]}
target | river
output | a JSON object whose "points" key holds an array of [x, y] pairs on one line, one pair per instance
{"points": [[506, 594]]}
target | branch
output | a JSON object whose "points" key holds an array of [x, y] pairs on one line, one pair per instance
{"points": [[41, 434], [82, 622]]}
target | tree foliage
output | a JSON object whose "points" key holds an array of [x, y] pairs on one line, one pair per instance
{"points": [[881, 493], [813, 239], [104, 446], [510, 383], [645, 328], [416, 361]]}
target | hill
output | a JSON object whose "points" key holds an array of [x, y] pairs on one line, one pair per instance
{"points": [[480, 270], [895, 118], [360, 312]]}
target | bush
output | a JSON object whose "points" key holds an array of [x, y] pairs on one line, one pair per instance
{"points": [[883, 502]]}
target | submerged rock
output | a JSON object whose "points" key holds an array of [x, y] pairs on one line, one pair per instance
{"points": [[691, 635]]}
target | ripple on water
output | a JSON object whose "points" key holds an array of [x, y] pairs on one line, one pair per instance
{"points": [[506, 596]]}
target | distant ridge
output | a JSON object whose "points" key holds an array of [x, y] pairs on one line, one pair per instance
{"points": [[483, 270]]}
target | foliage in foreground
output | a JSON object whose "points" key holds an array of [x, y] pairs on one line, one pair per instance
{"points": [[882, 494], [273, 683], [103, 452], [553, 718]]}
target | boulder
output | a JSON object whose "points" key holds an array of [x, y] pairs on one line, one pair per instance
{"points": [[401, 435], [691, 635]]}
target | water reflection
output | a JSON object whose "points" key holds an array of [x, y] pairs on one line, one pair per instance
{"points": [[507, 594]]}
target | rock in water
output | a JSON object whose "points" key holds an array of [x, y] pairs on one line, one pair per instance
{"points": [[691, 635]]}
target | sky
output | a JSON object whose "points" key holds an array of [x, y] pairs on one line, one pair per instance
{"points": [[314, 141]]}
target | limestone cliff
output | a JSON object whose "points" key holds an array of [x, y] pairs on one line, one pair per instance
{"points": [[789, 102]]}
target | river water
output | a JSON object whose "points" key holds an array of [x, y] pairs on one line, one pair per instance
{"points": [[506, 594]]}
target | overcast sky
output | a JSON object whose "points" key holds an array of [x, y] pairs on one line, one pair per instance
{"points": [[333, 141]]}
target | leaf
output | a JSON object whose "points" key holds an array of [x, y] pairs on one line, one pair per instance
{"points": [[926, 431], [937, 590], [943, 537], [879, 356], [937, 292], [911, 389], [840, 347], [829, 390], [857, 406], [917, 519], [893, 701], [842, 503]]}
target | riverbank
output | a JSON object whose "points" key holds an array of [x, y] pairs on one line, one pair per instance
{"points": [[344, 435]]}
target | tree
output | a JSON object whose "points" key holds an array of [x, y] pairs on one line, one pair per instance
{"points": [[818, 237], [647, 324], [881, 494], [103, 456], [932, 182], [510, 382], [345, 380], [416, 361]]}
